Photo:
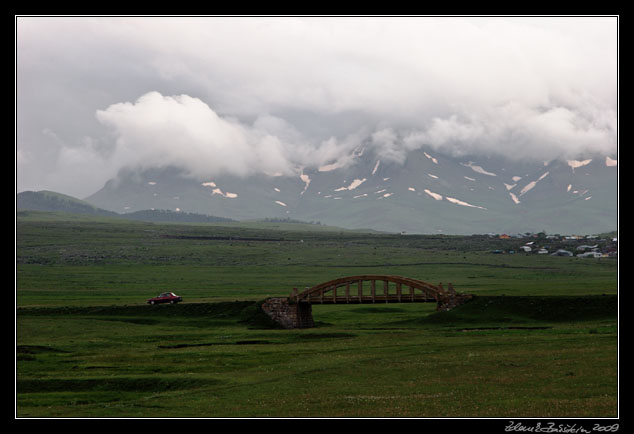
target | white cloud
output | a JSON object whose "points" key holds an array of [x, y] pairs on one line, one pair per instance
{"points": [[268, 93], [519, 132], [183, 131]]}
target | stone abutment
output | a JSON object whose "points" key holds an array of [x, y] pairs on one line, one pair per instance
{"points": [[299, 315], [289, 315]]}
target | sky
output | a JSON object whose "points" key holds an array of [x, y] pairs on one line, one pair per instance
{"points": [[246, 95]]}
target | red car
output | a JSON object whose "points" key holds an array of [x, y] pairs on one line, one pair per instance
{"points": [[166, 297]]}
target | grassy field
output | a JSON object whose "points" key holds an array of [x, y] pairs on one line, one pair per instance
{"points": [[539, 340]]}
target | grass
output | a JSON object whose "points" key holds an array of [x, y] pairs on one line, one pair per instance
{"points": [[388, 361], [540, 339]]}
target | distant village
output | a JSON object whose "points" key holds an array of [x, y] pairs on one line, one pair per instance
{"points": [[581, 246]]}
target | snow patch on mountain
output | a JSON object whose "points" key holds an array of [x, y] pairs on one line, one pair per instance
{"points": [[330, 167], [575, 164], [430, 157], [354, 184], [306, 180], [462, 203], [532, 184], [515, 199], [376, 166], [478, 169], [227, 195], [218, 191], [432, 194]]}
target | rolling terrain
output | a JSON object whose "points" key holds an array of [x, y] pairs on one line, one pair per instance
{"points": [[540, 339]]}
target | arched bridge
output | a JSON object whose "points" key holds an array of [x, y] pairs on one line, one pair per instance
{"points": [[372, 288], [296, 311]]}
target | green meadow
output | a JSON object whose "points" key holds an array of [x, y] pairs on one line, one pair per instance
{"points": [[540, 339]]}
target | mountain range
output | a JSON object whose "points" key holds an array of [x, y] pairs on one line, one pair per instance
{"points": [[429, 192]]}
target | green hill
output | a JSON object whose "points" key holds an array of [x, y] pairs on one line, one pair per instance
{"points": [[49, 201], [52, 201]]}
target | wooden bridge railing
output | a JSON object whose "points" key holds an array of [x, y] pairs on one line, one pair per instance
{"points": [[351, 290]]}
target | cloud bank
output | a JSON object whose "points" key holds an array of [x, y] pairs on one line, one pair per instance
{"points": [[270, 95], [183, 131]]}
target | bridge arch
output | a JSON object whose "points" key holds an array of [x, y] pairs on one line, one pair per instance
{"points": [[364, 289], [296, 311]]}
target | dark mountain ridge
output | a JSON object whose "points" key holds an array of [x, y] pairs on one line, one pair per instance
{"points": [[428, 193]]}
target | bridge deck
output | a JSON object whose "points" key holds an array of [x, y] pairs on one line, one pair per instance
{"points": [[368, 299]]}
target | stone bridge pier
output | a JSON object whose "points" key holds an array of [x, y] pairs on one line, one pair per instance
{"points": [[289, 315]]}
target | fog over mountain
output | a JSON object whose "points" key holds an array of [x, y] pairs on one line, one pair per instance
{"points": [[251, 96]]}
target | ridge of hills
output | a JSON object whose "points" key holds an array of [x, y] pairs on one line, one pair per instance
{"points": [[52, 205], [50, 201]]}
